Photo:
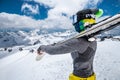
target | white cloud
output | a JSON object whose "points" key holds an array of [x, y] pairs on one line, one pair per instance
{"points": [[17, 21], [55, 18], [30, 9], [64, 6], [50, 3]]}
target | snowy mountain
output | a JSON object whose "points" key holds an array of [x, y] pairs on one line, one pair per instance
{"points": [[113, 32], [13, 38], [9, 39], [32, 37]]}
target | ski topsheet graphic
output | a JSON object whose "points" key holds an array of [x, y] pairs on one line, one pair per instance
{"points": [[102, 26]]}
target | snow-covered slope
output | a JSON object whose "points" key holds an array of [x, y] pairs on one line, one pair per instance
{"points": [[22, 65], [107, 60]]}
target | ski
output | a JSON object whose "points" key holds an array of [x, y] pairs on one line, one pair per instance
{"points": [[98, 28]]}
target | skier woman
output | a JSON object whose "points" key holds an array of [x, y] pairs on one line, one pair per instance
{"points": [[81, 49]]}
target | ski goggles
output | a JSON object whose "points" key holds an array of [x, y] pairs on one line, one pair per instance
{"points": [[77, 24]]}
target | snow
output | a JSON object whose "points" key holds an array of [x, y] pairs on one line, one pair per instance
{"points": [[107, 60], [21, 65]]}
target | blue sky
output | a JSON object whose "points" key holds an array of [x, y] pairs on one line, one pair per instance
{"points": [[110, 7], [48, 14], [14, 7]]}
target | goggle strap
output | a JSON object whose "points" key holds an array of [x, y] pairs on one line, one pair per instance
{"points": [[74, 19]]}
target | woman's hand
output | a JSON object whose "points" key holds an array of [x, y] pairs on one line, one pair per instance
{"points": [[40, 54]]}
